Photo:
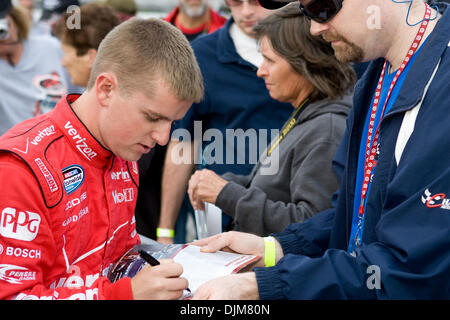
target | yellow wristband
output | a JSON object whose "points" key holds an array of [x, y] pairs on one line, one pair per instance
{"points": [[165, 233], [269, 251]]}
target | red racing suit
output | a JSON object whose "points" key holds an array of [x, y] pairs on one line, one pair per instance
{"points": [[66, 210]]}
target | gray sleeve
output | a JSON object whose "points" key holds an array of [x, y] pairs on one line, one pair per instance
{"points": [[240, 179], [312, 184]]}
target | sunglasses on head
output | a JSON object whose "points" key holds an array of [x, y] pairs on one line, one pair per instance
{"points": [[317, 10], [236, 3], [320, 11], [274, 4]]}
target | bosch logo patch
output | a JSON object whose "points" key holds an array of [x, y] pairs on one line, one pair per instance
{"points": [[21, 252]]}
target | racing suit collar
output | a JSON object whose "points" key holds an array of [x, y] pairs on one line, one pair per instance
{"points": [[77, 134]]}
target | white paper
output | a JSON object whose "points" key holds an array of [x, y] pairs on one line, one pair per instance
{"points": [[213, 219], [200, 224], [200, 267]]}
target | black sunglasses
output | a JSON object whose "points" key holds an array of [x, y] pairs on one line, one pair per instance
{"points": [[321, 10], [274, 4]]}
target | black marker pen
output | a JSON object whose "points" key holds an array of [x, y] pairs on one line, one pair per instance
{"points": [[148, 258]]}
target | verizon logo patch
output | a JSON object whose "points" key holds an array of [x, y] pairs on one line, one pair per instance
{"points": [[80, 142]]}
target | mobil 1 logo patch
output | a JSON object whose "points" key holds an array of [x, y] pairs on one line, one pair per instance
{"points": [[73, 178]]}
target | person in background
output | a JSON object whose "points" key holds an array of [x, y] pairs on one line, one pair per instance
{"points": [[235, 99], [300, 69], [125, 9], [32, 78], [194, 18], [52, 10], [80, 45], [28, 6], [387, 235]]}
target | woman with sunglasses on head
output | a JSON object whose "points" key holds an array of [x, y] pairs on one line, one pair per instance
{"points": [[294, 178]]}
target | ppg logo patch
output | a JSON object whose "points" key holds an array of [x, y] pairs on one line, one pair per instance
{"points": [[73, 178]]}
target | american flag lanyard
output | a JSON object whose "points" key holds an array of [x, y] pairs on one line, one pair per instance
{"points": [[370, 162]]}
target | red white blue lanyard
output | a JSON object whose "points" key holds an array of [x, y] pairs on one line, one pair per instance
{"points": [[370, 162]]}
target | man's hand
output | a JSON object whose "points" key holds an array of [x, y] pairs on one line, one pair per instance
{"points": [[242, 286], [160, 282], [233, 241], [238, 242], [204, 186]]}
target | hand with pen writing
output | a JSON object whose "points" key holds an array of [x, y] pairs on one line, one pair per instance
{"points": [[204, 186], [159, 282]]}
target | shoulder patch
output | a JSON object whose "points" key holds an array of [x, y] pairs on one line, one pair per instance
{"points": [[30, 144]]}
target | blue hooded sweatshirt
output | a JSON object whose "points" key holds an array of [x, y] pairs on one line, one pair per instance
{"points": [[405, 250]]}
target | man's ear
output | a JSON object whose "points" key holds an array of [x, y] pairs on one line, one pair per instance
{"points": [[105, 88]]}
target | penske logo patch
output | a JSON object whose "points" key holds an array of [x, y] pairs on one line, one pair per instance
{"points": [[437, 200]]}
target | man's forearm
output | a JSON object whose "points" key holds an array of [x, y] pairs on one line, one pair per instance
{"points": [[174, 183]]}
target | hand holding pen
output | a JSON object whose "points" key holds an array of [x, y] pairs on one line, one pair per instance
{"points": [[158, 280], [148, 258], [153, 262]]}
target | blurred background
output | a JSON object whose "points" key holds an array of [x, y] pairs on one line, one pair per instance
{"points": [[147, 8]]}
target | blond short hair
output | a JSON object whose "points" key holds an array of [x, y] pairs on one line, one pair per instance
{"points": [[140, 52]]}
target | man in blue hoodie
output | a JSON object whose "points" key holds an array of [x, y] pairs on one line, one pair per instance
{"points": [[388, 233]]}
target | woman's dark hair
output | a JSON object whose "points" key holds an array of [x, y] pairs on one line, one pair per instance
{"points": [[96, 21], [312, 57]]}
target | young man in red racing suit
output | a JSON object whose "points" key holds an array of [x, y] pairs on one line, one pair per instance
{"points": [[65, 210], [68, 179]]}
